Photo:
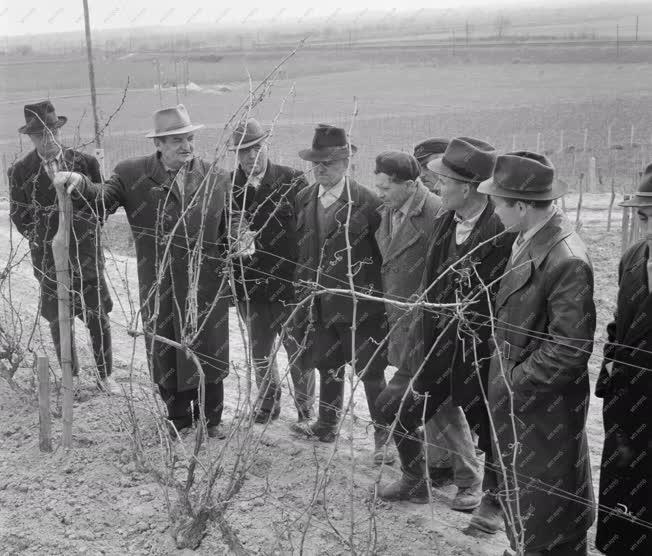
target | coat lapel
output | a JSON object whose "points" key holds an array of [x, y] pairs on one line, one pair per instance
{"points": [[383, 237], [518, 271]]}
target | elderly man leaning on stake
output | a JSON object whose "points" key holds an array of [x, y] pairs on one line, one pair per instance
{"points": [[35, 212], [625, 384], [539, 380], [454, 370], [425, 152], [174, 202], [336, 221], [264, 279]]}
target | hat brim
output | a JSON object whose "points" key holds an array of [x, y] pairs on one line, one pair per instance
{"points": [[637, 201], [438, 167], [326, 155], [61, 121], [490, 187], [186, 129], [242, 146]]}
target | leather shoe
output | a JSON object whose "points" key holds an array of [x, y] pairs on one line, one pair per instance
{"points": [[466, 499], [216, 431], [407, 488], [488, 517], [314, 431], [383, 449], [263, 416]]}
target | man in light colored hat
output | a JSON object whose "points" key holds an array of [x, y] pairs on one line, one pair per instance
{"points": [[426, 152], [174, 202], [336, 221], [625, 384], [264, 196], [539, 382], [453, 371], [35, 212]]}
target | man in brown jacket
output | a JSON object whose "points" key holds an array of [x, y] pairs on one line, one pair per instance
{"points": [[539, 382]]}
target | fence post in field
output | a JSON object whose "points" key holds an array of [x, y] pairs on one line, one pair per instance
{"points": [[611, 203], [592, 181], [538, 142], [61, 250], [609, 137], [578, 220], [561, 141], [45, 425], [586, 139], [625, 227], [634, 227]]}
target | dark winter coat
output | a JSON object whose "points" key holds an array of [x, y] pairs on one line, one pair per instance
{"points": [[167, 271], [451, 362], [626, 470], [35, 212], [327, 264], [269, 272], [545, 321]]}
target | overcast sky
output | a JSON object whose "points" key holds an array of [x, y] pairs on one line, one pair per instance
{"points": [[45, 16]]}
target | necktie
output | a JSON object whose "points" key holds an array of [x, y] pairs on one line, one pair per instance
{"points": [[397, 218]]}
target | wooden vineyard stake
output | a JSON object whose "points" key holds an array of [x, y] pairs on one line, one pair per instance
{"points": [[611, 204], [60, 250], [45, 425], [625, 227], [578, 216]]}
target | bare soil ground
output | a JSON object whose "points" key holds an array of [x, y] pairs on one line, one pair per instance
{"points": [[95, 499]]}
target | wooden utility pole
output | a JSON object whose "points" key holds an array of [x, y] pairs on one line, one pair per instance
{"points": [[91, 74], [636, 31], [158, 78], [617, 40], [466, 30]]}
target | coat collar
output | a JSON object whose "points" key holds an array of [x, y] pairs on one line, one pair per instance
{"points": [[518, 271], [313, 191]]}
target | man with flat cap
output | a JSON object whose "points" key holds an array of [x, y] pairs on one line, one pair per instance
{"points": [[266, 192], [174, 203], [625, 384], [35, 212], [544, 319], [452, 376], [336, 221], [426, 152]]}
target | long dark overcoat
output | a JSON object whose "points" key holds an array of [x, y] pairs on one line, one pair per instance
{"points": [[451, 362], [404, 254], [269, 273], [626, 470], [545, 321], [35, 212], [327, 265], [168, 270]]}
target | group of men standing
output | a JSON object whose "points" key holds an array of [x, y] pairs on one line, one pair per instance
{"points": [[481, 297]]}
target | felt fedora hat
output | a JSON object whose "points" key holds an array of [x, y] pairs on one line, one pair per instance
{"points": [[436, 145], [465, 159], [643, 197], [329, 143], [172, 121], [525, 176], [247, 135], [40, 116]]}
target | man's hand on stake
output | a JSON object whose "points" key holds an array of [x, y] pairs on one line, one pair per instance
{"points": [[68, 180]]}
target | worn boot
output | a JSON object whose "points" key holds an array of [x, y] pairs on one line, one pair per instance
{"points": [[315, 431], [488, 517], [383, 447], [467, 499], [411, 487]]}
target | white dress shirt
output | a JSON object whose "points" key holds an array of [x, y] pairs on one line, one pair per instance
{"points": [[328, 196], [465, 225]]}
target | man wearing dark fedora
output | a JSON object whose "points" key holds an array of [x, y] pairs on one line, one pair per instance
{"points": [[625, 385], [425, 152], [266, 192], [174, 202], [544, 321], [336, 221], [35, 212], [467, 250]]}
